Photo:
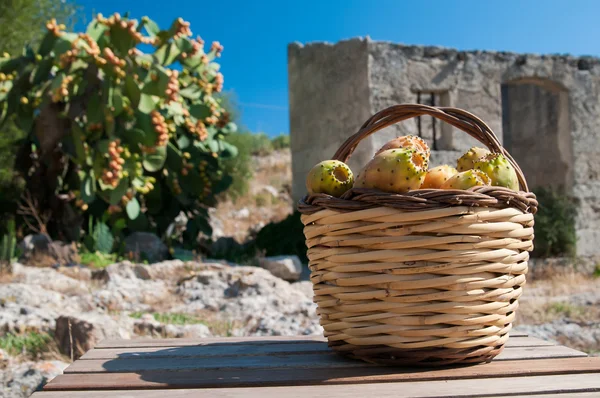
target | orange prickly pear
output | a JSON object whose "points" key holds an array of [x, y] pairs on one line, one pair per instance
{"points": [[331, 177], [437, 176], [499, 170], [394, 170], [466, 179], [409, 142], [466, 161]]}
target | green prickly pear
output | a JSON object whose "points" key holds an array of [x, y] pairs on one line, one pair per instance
{"points": [[466, 179], [331, 177], [408, 142], [394, 170], [467, 161], [437, 176], [499, 170]]}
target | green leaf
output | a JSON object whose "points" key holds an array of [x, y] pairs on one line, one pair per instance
{"points": [[102, 147], [174, 157], [117, 193], [117, 101], [47, 44], [167, 53], [95, 109], [155, 161], [222, 185], [191, 92], [153, 199], [183, 141], [42, 71], [151, 27], [133, 209], [121, 39], [78, 139], [103, 237], [96, 30], [184, 44], [199, 111], [132, 90], [147, 103], [137, 136], [88, 187], [229, 151], [63, 43], [203, 225], [158, 86]]}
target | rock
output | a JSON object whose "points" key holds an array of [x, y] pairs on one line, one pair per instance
{"points": [[287, 268], [49, 279], [129, 287], [271, 190], [41, 251], [226, 246], [147, 246], [20, 380], [87, 329], [216, 224], [254, 300], [148, 326], [241, 213]]}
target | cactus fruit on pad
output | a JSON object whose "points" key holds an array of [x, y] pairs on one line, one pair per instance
{"points": [[437, 176], [331, 177], [467, 161], [499, 170], [466, 179], [408, 142], [394, 170]]}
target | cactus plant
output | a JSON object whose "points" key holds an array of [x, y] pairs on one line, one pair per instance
{"points": [[116, 131], [394, 170], [331, 177]]}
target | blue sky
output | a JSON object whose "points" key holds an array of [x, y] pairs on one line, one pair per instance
{"points": [[255, 34]]}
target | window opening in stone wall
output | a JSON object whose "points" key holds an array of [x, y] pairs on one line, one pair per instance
{"points": [[428, 98]]}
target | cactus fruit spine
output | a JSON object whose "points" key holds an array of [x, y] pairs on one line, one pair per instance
{"points": [[467, 161], [499, 170], [331, 177], [437, 176], [408, 142], [394, 170], [466, 179]]}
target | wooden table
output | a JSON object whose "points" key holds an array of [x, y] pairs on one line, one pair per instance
{"points": [[269, 367]]}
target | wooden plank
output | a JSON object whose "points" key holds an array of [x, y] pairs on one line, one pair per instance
{"points": [[503, 386], [242, 349], [178, 361], [178, 342], [367, 374]]}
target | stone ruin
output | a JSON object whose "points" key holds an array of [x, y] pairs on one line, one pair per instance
{"points": [[545, 109]]}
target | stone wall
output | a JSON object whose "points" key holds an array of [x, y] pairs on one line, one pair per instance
{"points": [[545, 108]]}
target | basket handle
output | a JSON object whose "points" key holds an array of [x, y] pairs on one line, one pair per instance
{"points": [[458, 118]]}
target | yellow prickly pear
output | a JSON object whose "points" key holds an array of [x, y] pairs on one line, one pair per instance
{"points": [[466, 161], [409, 142], [331, 177], [466, 179], [394, 170], [437, 176], [499, 170]]}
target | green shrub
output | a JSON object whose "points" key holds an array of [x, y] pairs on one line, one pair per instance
{"points": [[129, 138], [281, 142], [554, 224], [240, 167], [283, 238], [31, 344]]}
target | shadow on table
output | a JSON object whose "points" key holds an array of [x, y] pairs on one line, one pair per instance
{"points": [[237, 364]]}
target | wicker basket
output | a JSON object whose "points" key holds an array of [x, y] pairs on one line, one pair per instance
{"points": [[430, 277]]}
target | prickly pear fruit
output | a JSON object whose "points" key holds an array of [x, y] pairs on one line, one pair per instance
{"points": [[437, 176], [467, 161], [499, 170], [409, 142], [466, 180], [331, 177], [394, 170]]}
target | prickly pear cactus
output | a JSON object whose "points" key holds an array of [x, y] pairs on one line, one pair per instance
{"points": [[331, 177], [499, 170], [437, 176], [394, 170], [467, 161], [117, 131], [466, 179], [409, 142]]}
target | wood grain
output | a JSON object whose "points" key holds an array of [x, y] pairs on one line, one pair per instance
{"points": [[503, 386], [242, 349], [366, 374]]}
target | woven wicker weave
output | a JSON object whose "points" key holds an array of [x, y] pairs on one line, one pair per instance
{"points": [[431, 277]]}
